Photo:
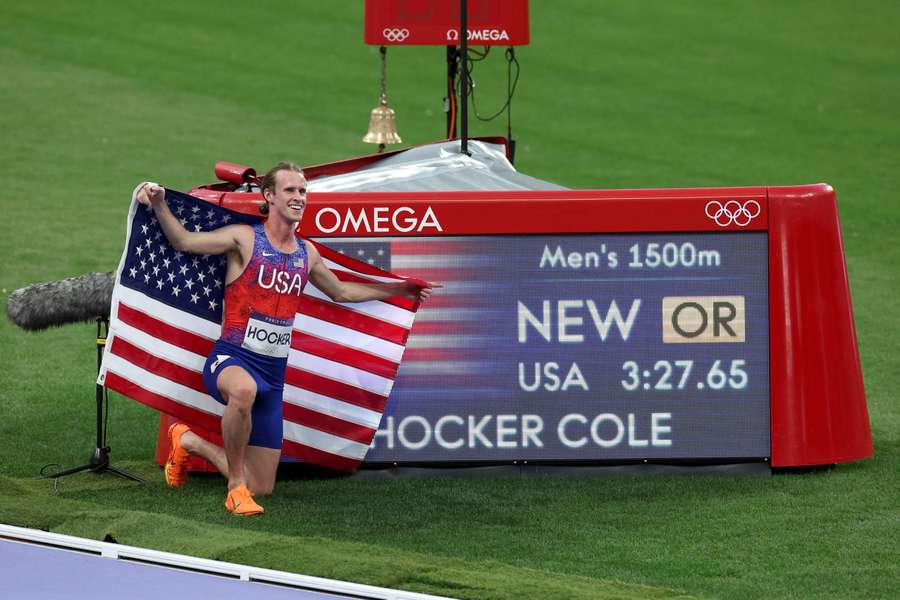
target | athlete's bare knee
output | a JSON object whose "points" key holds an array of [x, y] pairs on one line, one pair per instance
{"points": [[240, 393], [241, 399], [237, 387], [262, 489], [259, 484], [261, 469]]}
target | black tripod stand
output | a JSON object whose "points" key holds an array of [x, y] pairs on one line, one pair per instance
{"points": [[99, 461]]}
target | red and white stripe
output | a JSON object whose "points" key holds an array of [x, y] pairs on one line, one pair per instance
{"points": [[341, 368], [155, 354]]}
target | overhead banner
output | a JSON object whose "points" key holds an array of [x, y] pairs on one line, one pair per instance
{"points": [[579, 347], [436, 22]]}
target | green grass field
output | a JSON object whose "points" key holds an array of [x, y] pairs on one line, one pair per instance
{"points": [[99, 95]]}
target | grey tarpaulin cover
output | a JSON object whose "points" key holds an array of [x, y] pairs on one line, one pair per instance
{"points": [[436, 168]]}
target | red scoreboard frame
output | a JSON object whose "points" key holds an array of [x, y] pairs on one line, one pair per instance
{"points": [[818, 407]]}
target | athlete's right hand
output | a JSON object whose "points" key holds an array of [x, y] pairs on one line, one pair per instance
{"points": [[149, 193]]}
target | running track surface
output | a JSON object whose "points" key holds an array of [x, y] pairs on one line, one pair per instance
{"points": [[41, 572]]}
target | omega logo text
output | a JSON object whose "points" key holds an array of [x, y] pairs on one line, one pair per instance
{"points": [[479, 35], [380, 219]]}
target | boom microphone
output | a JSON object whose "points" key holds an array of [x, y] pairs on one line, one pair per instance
{"points": [[54, 303]]}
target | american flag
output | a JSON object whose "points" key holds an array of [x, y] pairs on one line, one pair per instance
{"points": [[167, 313]]}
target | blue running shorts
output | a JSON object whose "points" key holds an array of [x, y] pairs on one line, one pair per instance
{"points": [[268, 373]]}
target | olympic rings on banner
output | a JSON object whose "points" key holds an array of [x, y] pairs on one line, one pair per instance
{"points": [[733, 212], [395, 35]]}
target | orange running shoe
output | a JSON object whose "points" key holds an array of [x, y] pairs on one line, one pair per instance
{"points": [[241, 503], [176, 465]]}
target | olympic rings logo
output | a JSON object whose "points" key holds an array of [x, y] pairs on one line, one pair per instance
{"points": [[395, 35], [733, 212]]}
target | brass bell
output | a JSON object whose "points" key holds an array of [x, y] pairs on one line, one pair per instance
{"points": [[382, 122], [382, 125]]}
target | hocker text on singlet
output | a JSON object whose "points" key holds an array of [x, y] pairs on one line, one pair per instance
{"points": [[267, 335]]}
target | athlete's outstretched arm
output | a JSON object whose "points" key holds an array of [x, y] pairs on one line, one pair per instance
{"points": [[349, 291], [219, 241]]}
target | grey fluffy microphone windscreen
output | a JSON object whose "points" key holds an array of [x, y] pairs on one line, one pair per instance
{"points": [[56, 303]]}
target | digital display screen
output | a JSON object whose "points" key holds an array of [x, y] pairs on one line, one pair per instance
{"points": [[579, 347]]}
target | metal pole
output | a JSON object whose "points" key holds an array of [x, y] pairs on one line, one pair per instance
{"points": [[464, 60]]}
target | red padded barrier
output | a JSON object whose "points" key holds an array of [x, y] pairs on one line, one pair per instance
{"points": [[819, 413]]}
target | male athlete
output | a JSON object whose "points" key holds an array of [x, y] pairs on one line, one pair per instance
{"points": [[267, 269]]}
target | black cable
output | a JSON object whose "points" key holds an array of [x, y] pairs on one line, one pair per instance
{"points": [[511, 83], [55, 479], [44, 468], [480, 55]]}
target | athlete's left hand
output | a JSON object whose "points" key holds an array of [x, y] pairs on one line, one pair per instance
{"points": [[417, 292]]}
